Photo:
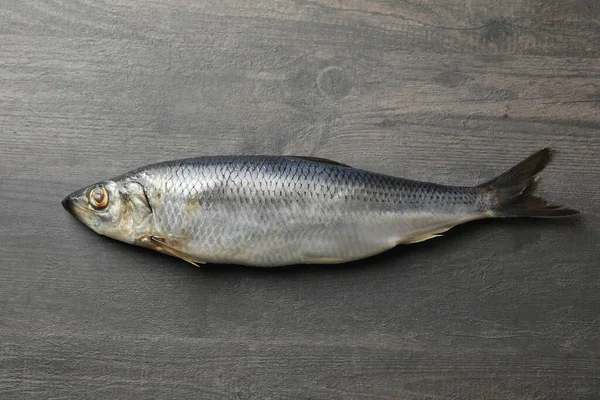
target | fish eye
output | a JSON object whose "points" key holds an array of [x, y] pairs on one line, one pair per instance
{"points": [[98, 198]]}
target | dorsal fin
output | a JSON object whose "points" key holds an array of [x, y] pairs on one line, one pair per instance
{"points": [[321, 160]]}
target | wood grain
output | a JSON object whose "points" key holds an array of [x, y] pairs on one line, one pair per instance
{"points": [[446, 91]]}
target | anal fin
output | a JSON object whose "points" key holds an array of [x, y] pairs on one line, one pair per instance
{"points": [[163, 245]]}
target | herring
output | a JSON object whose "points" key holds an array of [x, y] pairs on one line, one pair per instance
{"points": [[273, 211]]}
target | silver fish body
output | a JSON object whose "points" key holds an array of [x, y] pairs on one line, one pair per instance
{"points": [[275, 211]]}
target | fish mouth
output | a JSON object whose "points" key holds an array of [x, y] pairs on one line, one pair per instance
{"points": [[75, 203], [67, 204]]}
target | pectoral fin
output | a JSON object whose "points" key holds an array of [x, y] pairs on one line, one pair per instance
{"points": [[167, 248]]}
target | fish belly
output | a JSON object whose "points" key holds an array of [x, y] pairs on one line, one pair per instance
{"points": [[261, 240]]}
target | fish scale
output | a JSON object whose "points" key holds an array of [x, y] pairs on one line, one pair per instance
{"points": [[281, 210], [278, 210]]}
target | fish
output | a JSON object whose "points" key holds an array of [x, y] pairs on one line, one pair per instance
{"points": [[272, 211]]}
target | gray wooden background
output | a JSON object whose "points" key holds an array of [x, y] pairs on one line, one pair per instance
{"points": [[448, 91]]}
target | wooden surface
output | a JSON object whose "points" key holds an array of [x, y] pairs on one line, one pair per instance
{"points": [[447, 91]]}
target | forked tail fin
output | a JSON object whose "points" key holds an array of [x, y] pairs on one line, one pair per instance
{"points": [[513, 190]]}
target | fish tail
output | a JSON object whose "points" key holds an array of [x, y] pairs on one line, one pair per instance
{"points": [[512, 192]]}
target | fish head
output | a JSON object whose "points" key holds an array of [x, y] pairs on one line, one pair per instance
{"points": [[116, 208]]}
